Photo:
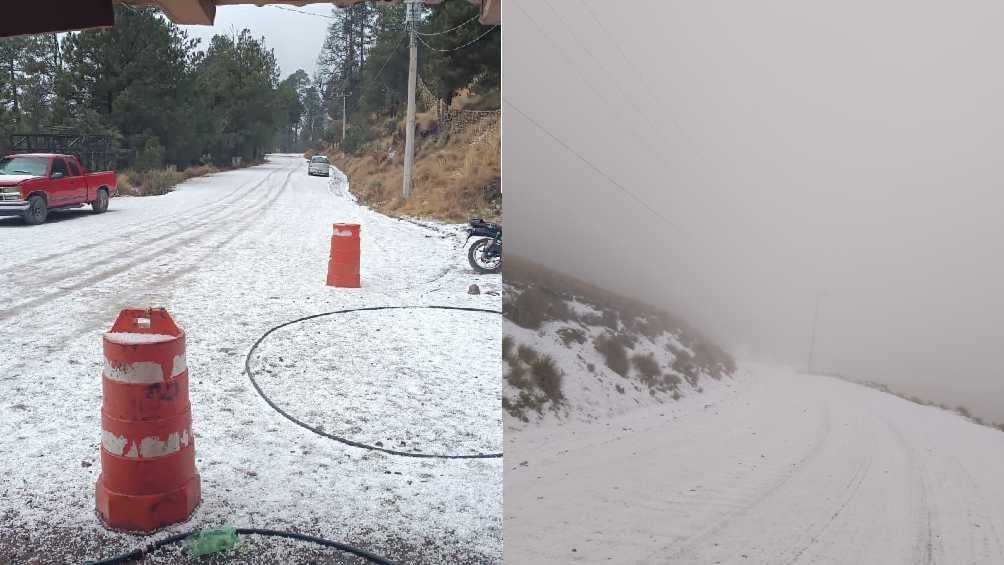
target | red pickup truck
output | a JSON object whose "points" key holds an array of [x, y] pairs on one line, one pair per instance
{"points": [[31, 184]]}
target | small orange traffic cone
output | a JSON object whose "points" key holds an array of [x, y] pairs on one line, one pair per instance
{"points": [[343, 265], [148, 477]]}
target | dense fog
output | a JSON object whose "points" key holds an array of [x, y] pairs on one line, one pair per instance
{"points": [[761, 155]]}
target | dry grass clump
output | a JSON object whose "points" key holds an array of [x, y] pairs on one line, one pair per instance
{"points": [[647, 368], [507, 345], [713, 360], [571, 335], [149, 183], [547, 376], [155, 182], [455, 179], [531, 307], [535, 377], [614, 353], [526, 354], [608, 319], [684, 365]]}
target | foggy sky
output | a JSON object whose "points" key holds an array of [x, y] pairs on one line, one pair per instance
{"points": [[854, 149], [296, 37]]}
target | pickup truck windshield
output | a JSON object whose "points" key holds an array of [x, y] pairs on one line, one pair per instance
{"points": [[34, 166]]}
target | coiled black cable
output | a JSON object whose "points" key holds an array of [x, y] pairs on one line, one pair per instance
{"points": [[346, 441], [138, 553]]}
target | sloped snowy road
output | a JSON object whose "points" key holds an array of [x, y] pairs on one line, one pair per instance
{"points": [[231, 255], [781, 468]]}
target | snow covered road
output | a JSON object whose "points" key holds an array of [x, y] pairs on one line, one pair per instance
{"points": [[780, 468], [231, 255]]}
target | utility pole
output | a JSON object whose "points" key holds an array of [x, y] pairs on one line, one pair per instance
{"points": [[412, 7], [345, 118], [815, 321]]}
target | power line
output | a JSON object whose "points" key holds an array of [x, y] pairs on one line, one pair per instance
{"points": [[288, 9], [471, 42], [389, 57], [458, 26], [643, 78], [573, 65], [625, 93], [644, 142], [595, 168]]}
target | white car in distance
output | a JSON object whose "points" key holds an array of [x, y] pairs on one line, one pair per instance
{"points": [[319, 165]]}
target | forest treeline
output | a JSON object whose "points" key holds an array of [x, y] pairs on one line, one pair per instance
{"points": [[167, 99], [365, 60]]}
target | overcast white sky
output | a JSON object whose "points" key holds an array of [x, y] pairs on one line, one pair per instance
{"points": [[295, 36], [788, 148]]}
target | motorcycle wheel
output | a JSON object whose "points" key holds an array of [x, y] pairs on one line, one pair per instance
{"points": [[480, 263]]}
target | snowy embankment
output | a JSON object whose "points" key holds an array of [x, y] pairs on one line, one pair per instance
{"points": [[231, 255], [571, 356]]}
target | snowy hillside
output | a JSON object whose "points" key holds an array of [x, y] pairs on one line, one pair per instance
{"points": [[578, 353]]}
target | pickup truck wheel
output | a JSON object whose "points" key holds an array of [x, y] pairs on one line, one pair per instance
{"points": [[37, 210], [100, 205]]}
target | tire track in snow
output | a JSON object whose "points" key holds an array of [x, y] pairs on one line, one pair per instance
{"points": [[96, 322], [850, 493], [198, 221], [173, 248], [924, 546], [822, 435], [993, 549]]}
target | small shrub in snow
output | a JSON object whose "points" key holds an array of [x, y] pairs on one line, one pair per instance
{"points": [[547, 376], [649, 326], [619, 389], [534, 306], [609, 319], [676, 395], [526, 353], [647, 367], [614, 353], [569, 335], [629, 341], [516, 376], [713, 360], [514, 410], [684, 365], [507, 343]]}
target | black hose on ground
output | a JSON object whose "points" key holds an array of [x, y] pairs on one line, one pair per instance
{"points": [[140, 552], [346, 441]]}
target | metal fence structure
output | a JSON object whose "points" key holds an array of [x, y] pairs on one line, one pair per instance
{"points": [[484, 123], [96, 152]]}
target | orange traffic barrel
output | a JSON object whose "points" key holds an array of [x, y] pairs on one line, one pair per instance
{"points": [[343, 265], [148, 478]]}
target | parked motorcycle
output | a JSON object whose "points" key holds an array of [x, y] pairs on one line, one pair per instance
{"points": [[485, 254]]}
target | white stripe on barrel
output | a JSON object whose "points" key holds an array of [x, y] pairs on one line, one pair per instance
{"points": [[150, 447], [145, 372]]}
